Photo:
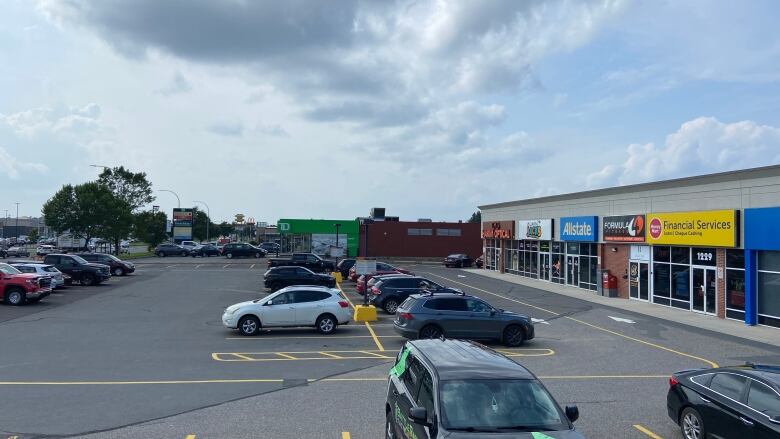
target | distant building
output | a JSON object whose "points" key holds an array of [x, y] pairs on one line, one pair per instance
{"points": [[26, 224]]}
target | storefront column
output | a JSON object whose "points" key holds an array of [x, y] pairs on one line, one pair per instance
{"points": [[751, 296], [501, 268]]}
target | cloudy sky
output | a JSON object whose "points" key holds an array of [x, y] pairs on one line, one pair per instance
{"points": [[326, 109]]}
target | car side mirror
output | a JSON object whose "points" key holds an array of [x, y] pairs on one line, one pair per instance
{"points": [[419, 415], [572, 412], [493, 312]]}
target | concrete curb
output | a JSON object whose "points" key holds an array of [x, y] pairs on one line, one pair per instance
{"points": [[733, 328]]}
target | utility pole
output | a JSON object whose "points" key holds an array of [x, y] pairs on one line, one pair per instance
{"points": [[17, 222]]}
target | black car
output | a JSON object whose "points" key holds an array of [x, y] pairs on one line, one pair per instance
{"points": [[480, 261], [78, 268], [726, 402], [459, 315], [164, 250], [458, 260], [389, 291], [270, 247], [344, 265], [118, 267], [280, 277], [205, 251], [237, 249], [459, 389]]}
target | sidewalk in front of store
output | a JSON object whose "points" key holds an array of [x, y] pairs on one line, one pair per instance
{"points": [[762, 334]]}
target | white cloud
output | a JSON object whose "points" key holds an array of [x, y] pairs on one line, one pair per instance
{"points": [[12, 167], [702, 145], [177, 85]]}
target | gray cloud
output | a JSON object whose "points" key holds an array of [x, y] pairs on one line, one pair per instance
{"points": [[178, 85], [229, 129]]}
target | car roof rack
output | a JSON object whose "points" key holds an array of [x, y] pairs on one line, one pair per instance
{"points": [[444, 290]]}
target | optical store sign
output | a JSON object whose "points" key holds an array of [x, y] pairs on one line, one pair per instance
{"points": [[712, 227]]}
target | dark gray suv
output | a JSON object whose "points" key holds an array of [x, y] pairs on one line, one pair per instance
{"points": [[458, 315], [391, 290]]}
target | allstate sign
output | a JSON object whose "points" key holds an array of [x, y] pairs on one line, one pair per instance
{"points": [[579, 228]]}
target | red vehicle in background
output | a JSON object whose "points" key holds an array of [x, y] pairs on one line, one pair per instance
{"points": [[380, 266], [16, 287], [361, 282]]}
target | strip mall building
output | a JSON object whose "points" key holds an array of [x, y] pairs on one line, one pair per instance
{"points": [[708, 244]]}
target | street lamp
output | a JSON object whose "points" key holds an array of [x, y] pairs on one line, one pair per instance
{"points": [[17, 223], [208, 213], [337, 226], [178, 201]]}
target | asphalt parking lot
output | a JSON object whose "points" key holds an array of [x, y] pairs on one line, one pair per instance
{"points": [[146, 356]]}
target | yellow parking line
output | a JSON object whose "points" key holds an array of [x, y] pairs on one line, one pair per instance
{"points": [[376, 339], [657, 346], [243, 357], [327, 354], [189, 436], [338, 285], [371, 353], [345, 435], [540, 352], [328, 337], [647, 432], [282, 354]]}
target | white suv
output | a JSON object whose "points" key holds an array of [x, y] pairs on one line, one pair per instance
{"points": [[301, 305]]}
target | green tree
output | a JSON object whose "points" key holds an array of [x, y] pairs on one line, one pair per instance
{"points": [[60, 210], [149, 227], [199, 230], [476, 217], [225, 228], [33, 236], [131, 187]]}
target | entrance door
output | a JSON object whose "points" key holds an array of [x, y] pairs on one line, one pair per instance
{"points": [[638, 280], [573, 270], [544, 266], [704, 286]]}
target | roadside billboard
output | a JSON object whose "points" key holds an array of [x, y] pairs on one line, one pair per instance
{"points": [[717, 228], [182, 224]]}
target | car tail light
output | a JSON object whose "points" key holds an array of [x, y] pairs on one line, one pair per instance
{"points": [[673, 381], [375, 291], [343, 304], [406, 316]]}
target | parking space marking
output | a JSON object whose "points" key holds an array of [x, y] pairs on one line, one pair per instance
{"points": [[300, 356], [226, 266], [171, 266], [367, 354], [310, 337], [281, 380], [189, 436], [338, 285], [252, 266], [198, 266], [657, 346], [345, 435], [376, 339], [647, 432]]}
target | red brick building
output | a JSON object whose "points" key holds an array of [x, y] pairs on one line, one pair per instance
{"points": [[420, 239]]}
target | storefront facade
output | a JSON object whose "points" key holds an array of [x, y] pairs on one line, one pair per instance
{"points": [[703, 244]]}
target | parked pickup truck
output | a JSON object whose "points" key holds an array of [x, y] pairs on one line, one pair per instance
{"points": [[16, 287], [308, 260]]}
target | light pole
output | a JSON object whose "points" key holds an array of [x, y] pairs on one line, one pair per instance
{"points": [[5, 222], [17, 222], [178, 201], [208, 213], [337, 226]]}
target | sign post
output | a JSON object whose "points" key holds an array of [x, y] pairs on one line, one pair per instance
{"points": [[365, 312]]}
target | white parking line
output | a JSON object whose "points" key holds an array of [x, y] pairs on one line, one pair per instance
{"points": [[252, 266], [171, 266], [226, 266], [199, 265]]}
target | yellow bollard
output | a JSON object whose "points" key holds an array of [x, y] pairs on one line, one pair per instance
{"points": [[365, 313]]}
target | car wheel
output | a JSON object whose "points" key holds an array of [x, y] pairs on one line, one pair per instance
{"points": [[691, 424], [184, 254], [513, 336], [15, 296], [249, 325], [389, 430], [431, 331], [257, 255], [161, 254], [88, 279], [326, 324], [119, 271], [390, 306], [229, 255]]}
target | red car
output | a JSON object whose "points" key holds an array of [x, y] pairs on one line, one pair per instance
{"points": [[361, 282], [16, 287], [380, 266]]}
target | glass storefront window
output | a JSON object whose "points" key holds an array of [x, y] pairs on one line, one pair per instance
{"points": [[661, 281], [768, 283], [661, 254], [681, 286], [769, 261], [735, 294], [735, 259], [681, 255]]}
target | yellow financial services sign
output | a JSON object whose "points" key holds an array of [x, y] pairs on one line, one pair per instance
{"points": [[707, 228]]}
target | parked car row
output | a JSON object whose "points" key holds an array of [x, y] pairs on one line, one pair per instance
{"points": [[191, 248]]}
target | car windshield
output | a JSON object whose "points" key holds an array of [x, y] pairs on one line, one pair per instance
{"points": [[79, 259], [7, 269], [498, 404], [114, 258]]}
